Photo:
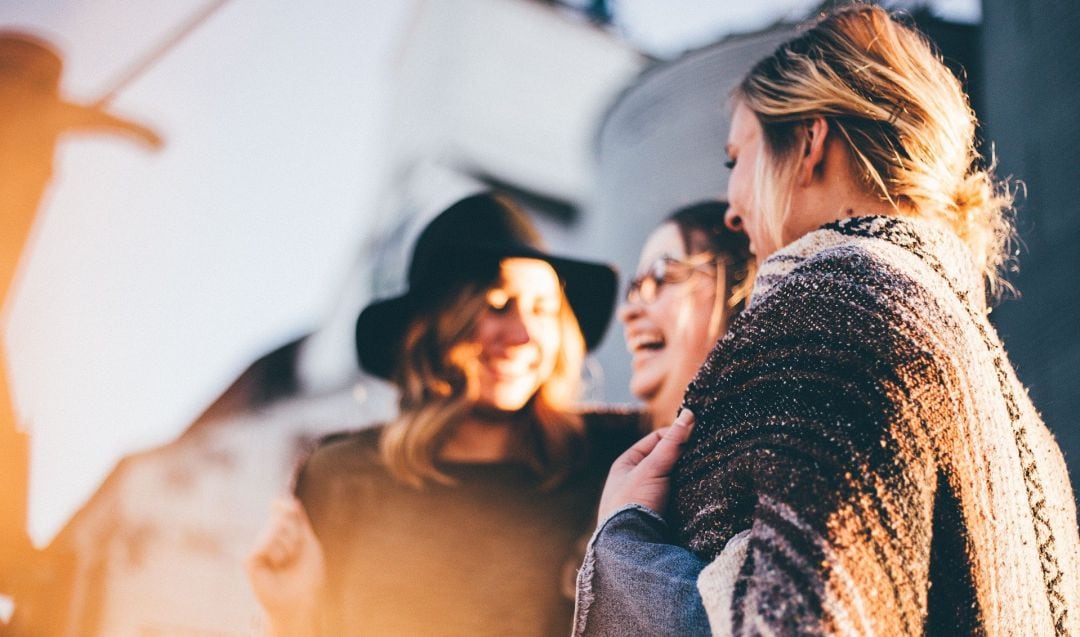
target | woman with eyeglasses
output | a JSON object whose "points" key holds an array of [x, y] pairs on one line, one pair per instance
{"points": [[694, 276], [864, 459], [346, 570]]}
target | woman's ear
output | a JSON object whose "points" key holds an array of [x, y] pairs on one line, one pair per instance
{"points": [[817, 129]]}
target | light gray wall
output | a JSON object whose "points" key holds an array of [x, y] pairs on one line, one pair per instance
{"points": [[661, 147], [1031, 114]]}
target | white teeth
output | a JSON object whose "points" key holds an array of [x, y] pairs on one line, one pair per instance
{"points": [[644, 341], [510, 367]]}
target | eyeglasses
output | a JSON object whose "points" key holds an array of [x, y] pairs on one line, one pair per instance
{"points": [[645, 287]]}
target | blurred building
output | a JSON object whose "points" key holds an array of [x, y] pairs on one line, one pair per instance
{"points": [[660, 146], [489, 93], [1030, 117], [600, 146]]}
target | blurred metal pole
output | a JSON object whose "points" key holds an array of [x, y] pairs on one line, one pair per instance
{"points": [[151, 57]]}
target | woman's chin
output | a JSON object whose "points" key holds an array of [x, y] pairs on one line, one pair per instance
{"points": [[645, 387]]}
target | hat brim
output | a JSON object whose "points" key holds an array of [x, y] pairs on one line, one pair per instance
{"points": [[590, 289]]}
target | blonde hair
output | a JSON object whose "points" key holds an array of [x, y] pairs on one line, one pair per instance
{"points": [[436, 378], [903, 116]]}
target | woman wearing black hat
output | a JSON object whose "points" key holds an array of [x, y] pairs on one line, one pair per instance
{"points": [[464, 515]]}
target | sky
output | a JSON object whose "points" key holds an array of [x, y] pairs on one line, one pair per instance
{"points": [[666, 28], [155, 278]]}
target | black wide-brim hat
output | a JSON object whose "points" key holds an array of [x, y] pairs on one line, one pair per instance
{"points": [[463, 244]]}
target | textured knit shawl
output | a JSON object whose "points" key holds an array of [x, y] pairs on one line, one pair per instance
{"points": [[862, 421]]}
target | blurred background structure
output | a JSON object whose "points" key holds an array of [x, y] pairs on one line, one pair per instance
{"points": [[192, 311], [1030, 97]]}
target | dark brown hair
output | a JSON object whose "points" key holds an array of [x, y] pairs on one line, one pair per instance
{"points": [[702, 228]]}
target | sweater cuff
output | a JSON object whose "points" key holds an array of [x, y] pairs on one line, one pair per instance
{"points": [[652, 519], [585, 594], [636, 581]]}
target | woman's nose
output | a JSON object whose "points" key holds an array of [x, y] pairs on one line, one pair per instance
{"points": [[515, 329], [733, 221]]}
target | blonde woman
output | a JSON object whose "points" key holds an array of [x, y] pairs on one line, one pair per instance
{"points": [[864, 460], [464, 515]]}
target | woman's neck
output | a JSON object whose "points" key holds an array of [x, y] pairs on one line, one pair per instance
{"points": [[664, 406], [833, 193], [480, 438], [832, 205]]}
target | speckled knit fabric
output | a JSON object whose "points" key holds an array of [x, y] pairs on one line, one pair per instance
{"points": [[862, 420]]}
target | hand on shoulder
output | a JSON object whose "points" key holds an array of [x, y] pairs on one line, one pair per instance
{"points": [[641, 475]]}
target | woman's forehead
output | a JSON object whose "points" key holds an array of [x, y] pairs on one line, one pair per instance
{"points": [[666, 240], [744, 127], [519, 274]]}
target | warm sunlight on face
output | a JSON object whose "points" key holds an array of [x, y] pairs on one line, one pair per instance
{"points": [[669, 336], [744, 147], [517, 335]]}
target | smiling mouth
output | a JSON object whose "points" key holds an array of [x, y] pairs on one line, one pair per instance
{"points": [[645, 343], [508, 370]]}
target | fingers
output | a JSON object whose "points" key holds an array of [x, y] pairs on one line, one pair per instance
{"points": [[291, 510], [679, 431], [284, 536], [667, 449], [641, 473], [636, 453], [664, 442]]}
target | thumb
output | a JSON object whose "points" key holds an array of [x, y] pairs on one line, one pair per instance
{"points": [[662, 458]]}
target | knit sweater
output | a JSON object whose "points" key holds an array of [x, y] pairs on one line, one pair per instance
{"points": [[862, 422]]}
